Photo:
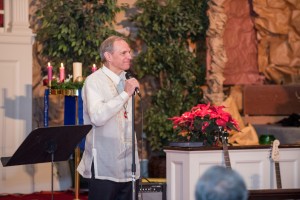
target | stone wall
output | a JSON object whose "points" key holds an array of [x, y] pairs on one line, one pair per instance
{"points": [[278, 31]]}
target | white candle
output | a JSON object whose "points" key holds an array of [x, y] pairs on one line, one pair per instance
{"points": [[77, 70], [49, 69], [61, 73], [94, 68]]}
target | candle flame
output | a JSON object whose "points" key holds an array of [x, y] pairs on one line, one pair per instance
{"points": [[94, 65], [62, 65], [49, 64]]}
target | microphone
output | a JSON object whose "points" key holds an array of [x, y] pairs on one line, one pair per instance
{"points": [[128, 75]]}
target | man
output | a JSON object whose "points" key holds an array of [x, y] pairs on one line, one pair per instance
{"points": [[107, 105], [221, 183]]}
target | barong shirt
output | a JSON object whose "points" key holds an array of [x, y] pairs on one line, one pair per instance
{"points": [[109, 143]]}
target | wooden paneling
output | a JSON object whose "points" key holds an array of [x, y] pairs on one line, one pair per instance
{"points": [[271, 99]]}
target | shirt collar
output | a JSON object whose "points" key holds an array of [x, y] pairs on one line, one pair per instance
{"points": [[114, 77]]}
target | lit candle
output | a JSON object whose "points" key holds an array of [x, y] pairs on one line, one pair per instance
{"points": [[94, 68], [77, 70], [49, 68], [61, 73]]}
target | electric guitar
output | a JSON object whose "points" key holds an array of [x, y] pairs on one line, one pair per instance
{"points": [[275, 158], [226, 153]]}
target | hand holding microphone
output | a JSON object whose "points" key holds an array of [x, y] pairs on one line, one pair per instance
{"points": [[131, 85]]}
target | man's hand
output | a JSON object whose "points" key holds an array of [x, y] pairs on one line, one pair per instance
{"points": [[130, 85]]}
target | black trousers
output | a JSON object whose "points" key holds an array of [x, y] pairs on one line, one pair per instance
{"points": [[110, 190]]}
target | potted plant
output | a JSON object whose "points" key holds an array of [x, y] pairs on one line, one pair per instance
{"points": [[171, 62], [71, 31], [204, 124], [170, 65]]}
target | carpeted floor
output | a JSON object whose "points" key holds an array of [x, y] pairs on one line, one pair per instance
{"points": [[67, 195]]}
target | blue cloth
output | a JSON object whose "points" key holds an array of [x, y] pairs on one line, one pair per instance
{"points": [[70, 113], [46, 107]]}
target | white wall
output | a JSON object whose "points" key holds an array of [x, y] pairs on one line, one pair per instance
{"points": [[16, 41]]}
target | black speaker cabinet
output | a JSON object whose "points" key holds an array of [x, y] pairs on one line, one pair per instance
{"points": [[152, 191]]}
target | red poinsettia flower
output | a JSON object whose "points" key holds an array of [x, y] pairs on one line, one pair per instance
{"points": [[203, 122]]}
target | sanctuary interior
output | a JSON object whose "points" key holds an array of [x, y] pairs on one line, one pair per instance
{"points": [[253, 68]]}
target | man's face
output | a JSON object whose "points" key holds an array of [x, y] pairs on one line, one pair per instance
{"points": [[121, 57]]}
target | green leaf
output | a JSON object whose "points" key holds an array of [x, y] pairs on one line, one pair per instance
{"points": [[70, 31], [176, 73]]}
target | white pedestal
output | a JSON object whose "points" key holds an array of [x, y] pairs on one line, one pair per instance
{"points": [[186, 165]]}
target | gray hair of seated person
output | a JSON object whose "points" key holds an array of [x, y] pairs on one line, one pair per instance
{"points": [[220, 183]]}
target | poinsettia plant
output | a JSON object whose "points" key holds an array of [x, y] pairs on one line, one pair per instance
{"points": [[203, 123]]}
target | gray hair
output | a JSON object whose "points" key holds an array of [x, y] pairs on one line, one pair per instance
{"points": [[108, 46], [220, 183]]}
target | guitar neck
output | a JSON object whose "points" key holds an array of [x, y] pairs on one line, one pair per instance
{"points": [[226, 156], [278, 176]]}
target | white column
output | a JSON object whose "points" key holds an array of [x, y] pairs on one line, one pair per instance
{"points": [[20, 12]]}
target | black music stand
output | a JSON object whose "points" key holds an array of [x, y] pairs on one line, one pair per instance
{"points": [[50, 144]]}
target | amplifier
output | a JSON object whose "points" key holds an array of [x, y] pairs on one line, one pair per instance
{"points": [[152, 191]]}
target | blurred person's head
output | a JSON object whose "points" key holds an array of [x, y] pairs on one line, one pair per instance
{"points": [[220, 183]]}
